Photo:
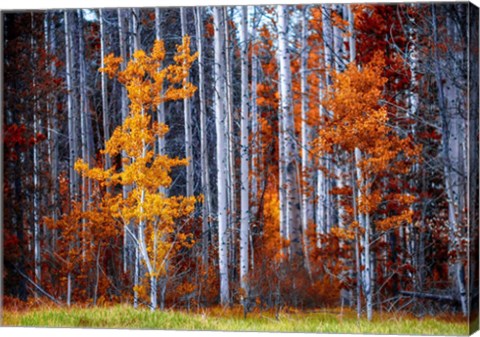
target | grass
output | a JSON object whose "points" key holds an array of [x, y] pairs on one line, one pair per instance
{"points": [[122, 316]]}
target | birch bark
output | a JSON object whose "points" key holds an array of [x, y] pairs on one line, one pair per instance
{"points": [[187, 112], [220, 124], [244, 217], [206, 208]]}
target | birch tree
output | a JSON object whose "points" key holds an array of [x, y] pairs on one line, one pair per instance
{"points": [[289, 167], [231, 168], [220, 125], [205, 177], [36, 173], [106, 124], [187, 112], [72, 140], [450, 155], [153, 213], [244, 171], [307, 205]]}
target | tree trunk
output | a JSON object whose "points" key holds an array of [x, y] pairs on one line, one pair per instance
{"points": [[187, 112], [290, 165], [36, 175], [153, 293], [473, 174], [206, 208], [322, 212], [449, 179], [231, 177], [124, 112], [83, 127], [53, 136], [220, 119], [161, 106], [71, 117], [255, 144], [307, 204], [244, 218], [106, 123]]}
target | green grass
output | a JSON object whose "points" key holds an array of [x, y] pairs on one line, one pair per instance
{"points": [[122, 316]]}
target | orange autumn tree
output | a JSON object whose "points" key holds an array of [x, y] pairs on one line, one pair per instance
{"points": [[150, 217], [359, 135]]}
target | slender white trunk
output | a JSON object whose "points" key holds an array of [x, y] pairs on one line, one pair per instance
{"points": [[70, 114], [53, 136], [83, 126], [358, 271], [71, 124], [356, 175], [449, 175], [136, 273], [290, 165], [153, 293], [68, 75], [335, 205], [141, 238], [322, 181], [255, 145], [307, 205], [231, 176], [36, 176], [244, 218], [368, 271], [161, 106], [187, 112], [123, 53], [137, 41], [106, 123], [220, 119], [124, 111], [69, 289], [203, 139], [284, 110]]}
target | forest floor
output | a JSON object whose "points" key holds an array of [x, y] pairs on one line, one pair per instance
{"points": [[321, 321]]}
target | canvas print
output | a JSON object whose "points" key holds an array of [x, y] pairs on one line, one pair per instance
{"points": [[283, 168]]}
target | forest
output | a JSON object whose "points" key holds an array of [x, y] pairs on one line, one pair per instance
{"points": [[287, 157]]}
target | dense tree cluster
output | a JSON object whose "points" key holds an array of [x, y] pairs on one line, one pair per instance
{"points": [[305, 156]]}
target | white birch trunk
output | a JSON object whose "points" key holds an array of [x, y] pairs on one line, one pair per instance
{"points": [[71, 138], [69, 289], [449, 174], [187, 112], [83, 124], [357, 175], [36, 177], [161, 106], [231, 176], [123, 53], [70, 113], [206, 209], [220, 119], [255, 146], [284, 110], [136, 273], [368, 270], [53, 136], [137, 41], [124, 111], [307, 205], [106, 124], [290, 166], [335, 205], [322, 182], [244, 217]]}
